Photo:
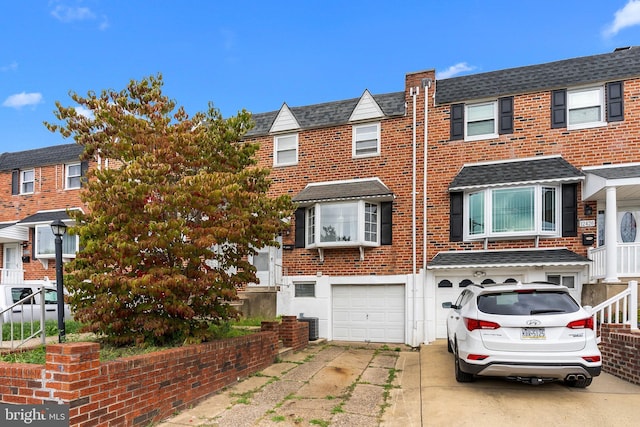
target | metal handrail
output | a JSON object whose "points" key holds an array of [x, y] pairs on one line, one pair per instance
{"points": [[31, 329]]}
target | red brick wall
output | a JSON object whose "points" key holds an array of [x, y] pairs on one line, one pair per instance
{"points": [[326, 155], [293, 333], [620, 349], [49, 194], [138, 390], [617, 142]]}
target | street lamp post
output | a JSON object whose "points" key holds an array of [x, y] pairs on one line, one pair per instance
{"points": [[59, 229]]}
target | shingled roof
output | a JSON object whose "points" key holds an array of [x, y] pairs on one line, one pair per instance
{"points": [[507, 258], [40, 157], [344, 190], [329, 114], [618, 65], [544, 169]]}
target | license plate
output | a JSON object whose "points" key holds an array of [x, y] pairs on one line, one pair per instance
{"points": [[532, 334]]}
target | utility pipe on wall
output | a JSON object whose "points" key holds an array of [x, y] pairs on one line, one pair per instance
{"points": [[414, 91]]}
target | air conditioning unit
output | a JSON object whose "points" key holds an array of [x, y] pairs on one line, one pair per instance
{"points": [[313, 327]]}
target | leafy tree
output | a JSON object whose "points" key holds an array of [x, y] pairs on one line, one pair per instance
{"points": [[170, 221]]}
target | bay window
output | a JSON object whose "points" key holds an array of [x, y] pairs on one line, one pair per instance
{"points": [[353, 223], [525, 211], [45, 243]]}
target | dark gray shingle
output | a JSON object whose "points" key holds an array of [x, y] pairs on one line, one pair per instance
{"points": [[40, 157], [501, 258], [613, 66], [621, 172], [369, 188], [529, 170], [329, 113]]}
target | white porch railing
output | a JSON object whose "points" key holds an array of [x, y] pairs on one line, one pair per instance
{"points": [[11, 276], [628, 261], [29, 324], [620, 309]]}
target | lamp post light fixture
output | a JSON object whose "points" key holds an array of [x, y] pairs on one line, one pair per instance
{"points": [[59, 229]]}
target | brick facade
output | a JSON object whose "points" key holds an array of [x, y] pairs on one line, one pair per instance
{"points": [[620, 348]]}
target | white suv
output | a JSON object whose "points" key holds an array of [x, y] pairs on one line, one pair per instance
{"points": [[534, 333]]}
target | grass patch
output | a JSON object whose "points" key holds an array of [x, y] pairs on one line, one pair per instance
{"points": [[278, 418], [321, 423], [50, 328]]}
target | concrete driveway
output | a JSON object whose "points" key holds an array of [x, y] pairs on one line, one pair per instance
{"points": [[609, 401], [358, 384]]}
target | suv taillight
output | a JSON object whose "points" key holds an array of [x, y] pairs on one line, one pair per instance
{"points": [[473, 324], [581, 324]]}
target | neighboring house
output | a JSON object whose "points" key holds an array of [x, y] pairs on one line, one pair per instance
{"points": [[531, 172], [37, 187], [525, 166]]}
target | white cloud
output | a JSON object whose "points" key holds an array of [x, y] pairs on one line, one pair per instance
{"points": [[11, 67], [628, 16], [454, 70], [83, 111], [64, 13], [20, 100]]}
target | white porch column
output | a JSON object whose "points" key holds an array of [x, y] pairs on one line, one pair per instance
{"points": [[611, 237]]}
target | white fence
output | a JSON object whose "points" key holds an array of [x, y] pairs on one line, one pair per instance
{"points": [[620, 309]]}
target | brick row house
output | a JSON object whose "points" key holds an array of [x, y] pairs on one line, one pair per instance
{"points": [[529, 173], [38, 187]]}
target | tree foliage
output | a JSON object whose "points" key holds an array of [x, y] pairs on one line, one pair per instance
{"points": [[170, 221]]}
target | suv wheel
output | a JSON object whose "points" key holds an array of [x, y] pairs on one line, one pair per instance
{"points": [[461, 377]]}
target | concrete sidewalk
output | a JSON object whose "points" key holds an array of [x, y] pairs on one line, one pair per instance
{"points": [[337, 384]]}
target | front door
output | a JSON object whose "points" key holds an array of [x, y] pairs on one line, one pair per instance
{"points": [[12, 268]]}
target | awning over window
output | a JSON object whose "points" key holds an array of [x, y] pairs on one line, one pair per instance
{"points": [[10, 232], [625, 177], [507, 258], [526, 171], [44, 217], [344, 190]]}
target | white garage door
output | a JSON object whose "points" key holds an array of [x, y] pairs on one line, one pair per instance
{"points": [[373, 313]]}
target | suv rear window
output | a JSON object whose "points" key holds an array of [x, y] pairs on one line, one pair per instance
{"points": [[525, 303]]}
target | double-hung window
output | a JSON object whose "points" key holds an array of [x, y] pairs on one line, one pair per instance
{"points": [[27, 181], [366, 140], [73, 174], [481, 120], [353, 223], [45, 243], [513, 211], [285, 150], [585, 107]]}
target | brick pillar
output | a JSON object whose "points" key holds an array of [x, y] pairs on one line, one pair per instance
{"points": [[70, 367]]}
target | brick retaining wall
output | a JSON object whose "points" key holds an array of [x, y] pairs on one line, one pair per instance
{"points": [[142, 389], [620, 352]]}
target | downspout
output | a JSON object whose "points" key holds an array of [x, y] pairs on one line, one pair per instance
{"points": [[426, 84], [414, 91]]}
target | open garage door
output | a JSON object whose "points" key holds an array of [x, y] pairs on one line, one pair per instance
{"points": [[369, 313]]}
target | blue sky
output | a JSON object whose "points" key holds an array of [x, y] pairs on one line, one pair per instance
{"points": [[258, 54]]}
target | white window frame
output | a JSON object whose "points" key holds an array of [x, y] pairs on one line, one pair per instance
{"points": [[369, 152], [24, 182], [576, 99], [493, 134], [306, 285], [314, 225], [70, 179], [44, 230], [538, 214], [277, 150]]}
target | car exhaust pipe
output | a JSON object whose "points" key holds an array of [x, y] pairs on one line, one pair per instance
{"points": [[571, 377], [581, 377]]}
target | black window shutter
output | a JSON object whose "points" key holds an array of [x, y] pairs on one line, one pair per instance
{"points": [[505, 106], [84, 167], [569, 210], [615, 102], [32, 233], [456, 220], [386, 236], [457, 121], [15, 181], [559, 108], [300, 228]]}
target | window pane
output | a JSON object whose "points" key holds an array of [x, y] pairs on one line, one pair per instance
{"points": [[46, 242], [305, 290], [584, 115], [513, 210], [480, 128], [480, 112], [584, 98], [548, 209], [366, 139], [339, 222], [286, 149], [371, 222], [311, 226], [261, 261], [287, 142], [476, 213], [288, 156]]}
